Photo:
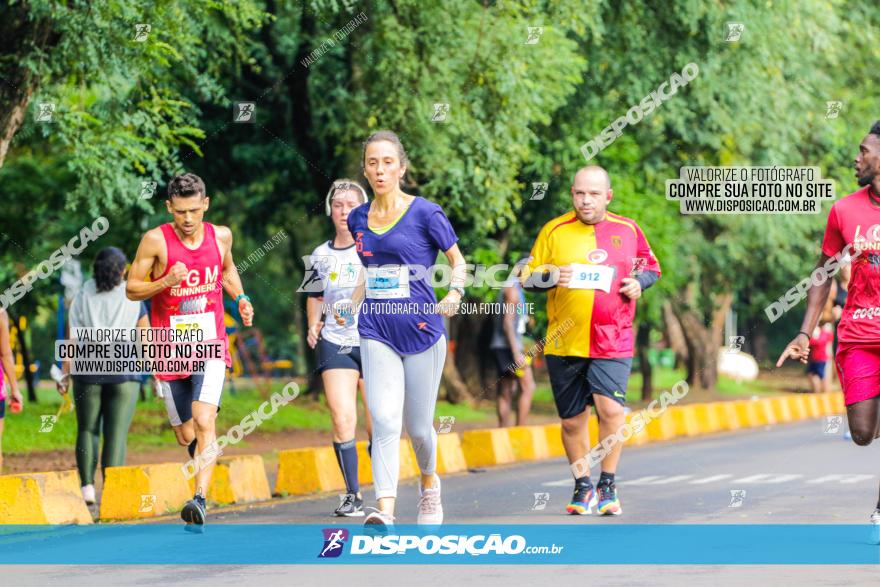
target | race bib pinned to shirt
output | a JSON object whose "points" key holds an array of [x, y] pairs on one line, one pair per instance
{"points": [[204, 322], [591, 277], [388, 282]]}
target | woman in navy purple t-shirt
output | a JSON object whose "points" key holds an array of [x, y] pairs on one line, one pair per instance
{"points": [[403, 340]]}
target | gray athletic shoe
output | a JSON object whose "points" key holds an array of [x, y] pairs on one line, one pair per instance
{"points": [[194, 514], [352, 506]]}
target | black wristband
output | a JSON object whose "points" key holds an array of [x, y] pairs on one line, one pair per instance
{"points": [[805, 334]]}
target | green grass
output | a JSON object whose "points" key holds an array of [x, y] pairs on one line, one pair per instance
{"points": [[150, 425], [665, 379]]}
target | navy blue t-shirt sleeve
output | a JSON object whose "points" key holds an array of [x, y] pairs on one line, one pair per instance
{"points": [[647, 278], [440, 231], [144, 311], [352, 222]]}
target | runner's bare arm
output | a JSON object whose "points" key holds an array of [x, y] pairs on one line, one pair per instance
{"points": [[450, 303], [357, 297], [6, 356], [231, 279], [817, 295], [315, 315], [138, 288]]}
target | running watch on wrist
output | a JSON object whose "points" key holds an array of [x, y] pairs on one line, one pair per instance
{"points": [[459, 289], [242, 296]]}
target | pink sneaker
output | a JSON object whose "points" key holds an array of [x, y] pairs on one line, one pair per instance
{"points": [[379, 522], [430, 508]]}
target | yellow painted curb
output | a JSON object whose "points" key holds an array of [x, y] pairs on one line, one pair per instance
{"points": [[781, 409], [143, 491], [307, 470], [826, 404], [553, 432], [837, 402], [708, 418], [409, 466], [798, 405], [685, 420], [813, 408], [42, 498], [747, 412], [764, 408], [639, 434], [365, 465], [727, 415], [450, 458], [529, 443], [237, 479], [662, 428], [485, 447]]}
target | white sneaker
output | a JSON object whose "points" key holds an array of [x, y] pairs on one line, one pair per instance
{"points": [[88, 492], [379, 522], [430, 508], [875, 527]]}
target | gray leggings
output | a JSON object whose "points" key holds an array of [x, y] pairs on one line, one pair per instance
{"points": [[401, 389]]}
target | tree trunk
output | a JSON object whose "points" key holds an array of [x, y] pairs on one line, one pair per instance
{"points": [[23, 37], [456, 390], [643, 341], [472, 354], [675, 334], [758, 343], [722, 306], [703, 342], [702, 371]]}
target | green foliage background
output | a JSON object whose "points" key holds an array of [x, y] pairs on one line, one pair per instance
{"points": [[129, 112]]}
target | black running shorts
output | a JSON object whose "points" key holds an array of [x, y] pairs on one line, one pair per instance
{"points": [[575, 379], [334, 356]]}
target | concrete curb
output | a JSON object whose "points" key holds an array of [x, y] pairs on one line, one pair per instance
{"points": [[42, 498], [154, 490], [237, 479], [708, 418], [307, 470], [450, 457], [487, 447], [143, 491], [529, 443]]}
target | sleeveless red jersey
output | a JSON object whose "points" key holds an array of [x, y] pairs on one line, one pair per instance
{"points": [[198, 298]]}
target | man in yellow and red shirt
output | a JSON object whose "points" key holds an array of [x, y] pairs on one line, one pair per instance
{"points": [[600, 263]]}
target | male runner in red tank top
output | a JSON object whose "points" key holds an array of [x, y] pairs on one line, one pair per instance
{"points": [[853, 230], [184, 260]]}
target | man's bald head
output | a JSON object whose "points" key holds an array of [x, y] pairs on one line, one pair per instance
{"points": [[590, 194], [593, 173]]}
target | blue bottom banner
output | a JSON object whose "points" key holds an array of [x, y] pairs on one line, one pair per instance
{"points": [[275, 544]]}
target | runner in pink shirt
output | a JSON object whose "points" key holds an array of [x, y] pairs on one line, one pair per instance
{"points": [[853, 231], [183, 267]]}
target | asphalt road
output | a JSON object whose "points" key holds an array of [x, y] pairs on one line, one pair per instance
{"points": [[786, 474]]}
